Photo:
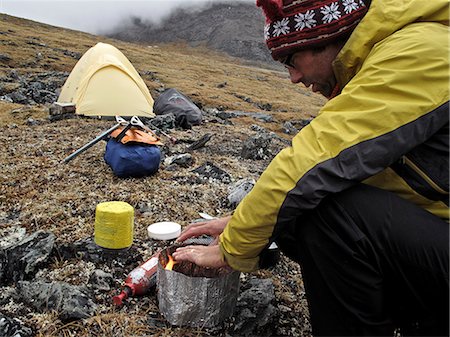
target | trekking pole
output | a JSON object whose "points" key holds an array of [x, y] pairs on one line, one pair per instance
{"points": [[121, 122], [136, 121], [172, 139]]}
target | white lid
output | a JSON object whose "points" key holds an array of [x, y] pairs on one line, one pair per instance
{"points": [[164, 230]]}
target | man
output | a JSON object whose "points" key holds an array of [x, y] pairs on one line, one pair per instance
{"points": [[360, 200]]}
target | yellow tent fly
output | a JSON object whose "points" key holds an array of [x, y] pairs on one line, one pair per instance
{"points": [[105, 83]]}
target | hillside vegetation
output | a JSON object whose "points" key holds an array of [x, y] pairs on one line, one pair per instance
{"points": [[39, 192], [35, 48]]}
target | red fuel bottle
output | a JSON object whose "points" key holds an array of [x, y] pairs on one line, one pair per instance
{"points": [[139, 281]]}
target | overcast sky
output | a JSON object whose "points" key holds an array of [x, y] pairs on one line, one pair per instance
{"points": [[95, 16]]}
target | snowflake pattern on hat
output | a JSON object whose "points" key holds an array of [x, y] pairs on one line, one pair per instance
{"points": [[266, 32], [350, 6], [331, 12], [313, 18], [305, 20], [281, 27]]}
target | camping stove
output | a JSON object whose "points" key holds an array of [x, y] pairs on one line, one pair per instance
{"points": [[190, 295]]}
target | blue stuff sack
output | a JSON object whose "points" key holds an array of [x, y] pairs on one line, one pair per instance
{"points": [[132, 159]]}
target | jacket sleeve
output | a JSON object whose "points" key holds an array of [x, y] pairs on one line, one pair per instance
{"points": [[356, 135]]}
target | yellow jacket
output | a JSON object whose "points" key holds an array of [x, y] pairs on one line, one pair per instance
{"points": [[387, 128]]}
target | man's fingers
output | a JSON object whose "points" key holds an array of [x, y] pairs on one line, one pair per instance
{"points": [[193, 231], [187, 253], [205, 256]]}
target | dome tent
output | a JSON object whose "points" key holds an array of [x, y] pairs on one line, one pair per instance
{"points": [[105, 83]]}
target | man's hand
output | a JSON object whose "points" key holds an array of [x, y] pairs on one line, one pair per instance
{"points": [[212, 227], [204, 256]]}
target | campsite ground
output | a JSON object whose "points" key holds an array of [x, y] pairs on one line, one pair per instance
{"points": [[41, 193]]}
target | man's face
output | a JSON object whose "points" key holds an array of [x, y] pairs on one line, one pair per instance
{"points": [[314, 68]]}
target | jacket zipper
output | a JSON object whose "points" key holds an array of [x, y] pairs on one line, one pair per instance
{"points": [[405, 160]]}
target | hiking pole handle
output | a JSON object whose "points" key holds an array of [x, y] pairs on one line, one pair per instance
{"points": [[92, 143], [172, 139]]}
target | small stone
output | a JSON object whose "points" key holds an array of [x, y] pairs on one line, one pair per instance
{"points": [[22, 260], [222, 85], [71, 302], [257, 147], [13, 327], [163, 122], [289, 129], [11, 235], [238, 191], [198, 144], [101, 280], [5, 58], [31, 122], [209, 170], [263, 117], [254, 310], [184, 160]]}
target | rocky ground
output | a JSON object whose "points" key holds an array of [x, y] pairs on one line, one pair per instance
{"points": [[56, 281]]}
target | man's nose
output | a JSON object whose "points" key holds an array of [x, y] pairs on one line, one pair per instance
{"points": [[295, 75]]}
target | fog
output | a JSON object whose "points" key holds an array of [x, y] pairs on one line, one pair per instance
{"points": [[97, 16]]}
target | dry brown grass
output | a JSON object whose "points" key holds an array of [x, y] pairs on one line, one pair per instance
{"points": [[195, 72], [40, 193]]}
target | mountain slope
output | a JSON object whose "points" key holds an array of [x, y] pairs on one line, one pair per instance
{"points": [[235, 28]]}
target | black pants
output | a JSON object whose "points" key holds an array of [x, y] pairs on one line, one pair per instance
{"points": [[372, 262]]}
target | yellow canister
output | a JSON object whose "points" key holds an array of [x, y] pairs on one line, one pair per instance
{"points": [[114, 225]]}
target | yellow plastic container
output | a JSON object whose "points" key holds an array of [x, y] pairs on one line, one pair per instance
{"points": [[114, 225]]}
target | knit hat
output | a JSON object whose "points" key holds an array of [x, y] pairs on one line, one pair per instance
{"points": [[293, 25]]}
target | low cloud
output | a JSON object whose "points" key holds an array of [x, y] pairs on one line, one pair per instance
{"points": [[98, 17]]}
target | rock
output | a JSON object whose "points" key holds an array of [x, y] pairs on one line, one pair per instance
{"points": [[211, 111], [6, 98], [72, 54], [244, 98], [18, 97], [87, 250], [31, 122], [238, 191], [163, 122], [299, 124], [254, 310], [38, 88], [13, 327], [265, 106], [5, 58], [144, 207], [200, 143], [101, 280], [226, 114], [71, 302], [184, 160], [22, 260], [14, 74], [8, 295], [3, 265], [209, 170], [257, 147], [58, 111], [289, 129], [11, 235], [258, 128], [222, 85], [263, 117]]}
